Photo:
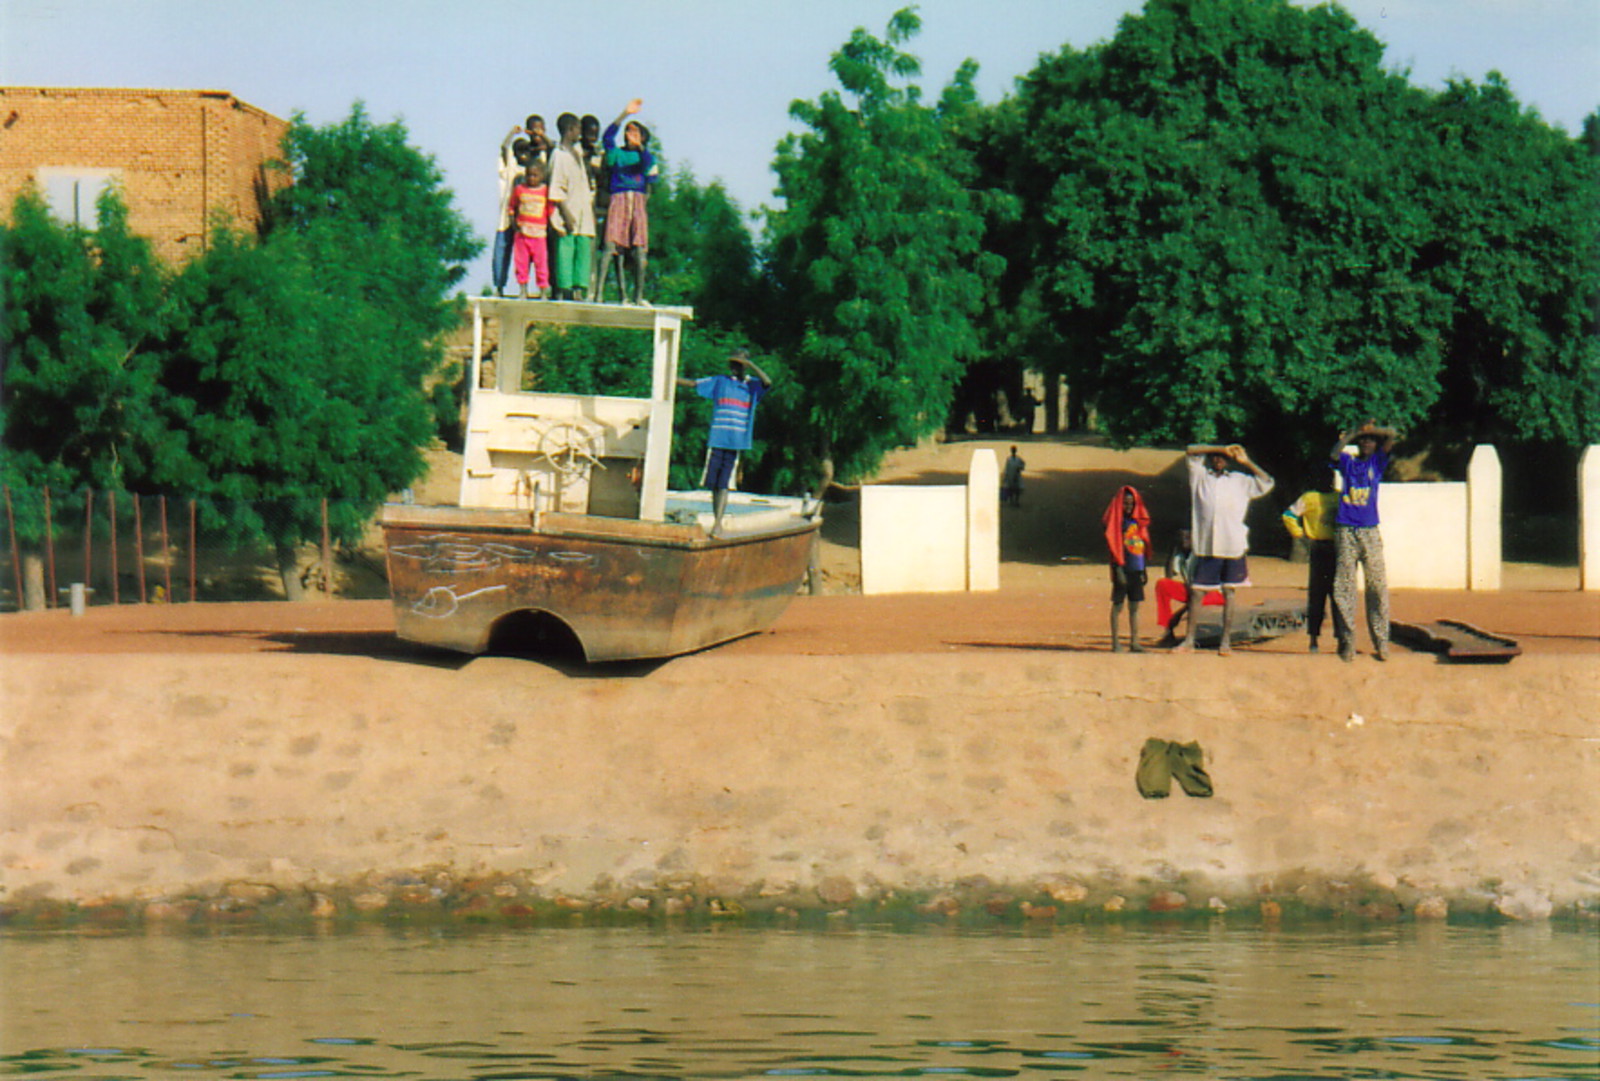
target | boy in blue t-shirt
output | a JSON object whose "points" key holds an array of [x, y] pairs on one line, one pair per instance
{"points": [[1357, 540], [733, 416]]}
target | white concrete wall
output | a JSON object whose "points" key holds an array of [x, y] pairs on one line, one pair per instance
{"points": [[933, 538], [913, 539], [983, 522], [1589, 519], [1424, 528]]}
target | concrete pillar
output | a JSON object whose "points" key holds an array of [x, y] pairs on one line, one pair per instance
{"points": [[983, 521], [1033, 383], [1483, 519], [1589, 519]]}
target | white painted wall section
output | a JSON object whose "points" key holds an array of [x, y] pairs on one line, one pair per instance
{"points": [[1424, 528], [983, 522], [1589, 519], [1483, 519], [914, 538]]}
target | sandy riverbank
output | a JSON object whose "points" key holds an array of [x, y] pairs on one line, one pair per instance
{"points": [[954, 754], [223, 769]]}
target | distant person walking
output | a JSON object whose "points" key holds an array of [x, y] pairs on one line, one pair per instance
{"points": [[1219, 499], [1356, 538], [1011, 480], [733, 417]]}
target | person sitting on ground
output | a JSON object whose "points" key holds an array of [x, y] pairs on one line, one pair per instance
{"points": [[1219, 498], [531, 203], [732, 423], [1172, 591], [1127, 525], [633, 170], [1357, 540], [1310, 519]]}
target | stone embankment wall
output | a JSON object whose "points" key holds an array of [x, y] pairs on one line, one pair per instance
{"points": [[179, 787]]}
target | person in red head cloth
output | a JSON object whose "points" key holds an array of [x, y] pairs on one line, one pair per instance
{"points": [[1128, 538]]}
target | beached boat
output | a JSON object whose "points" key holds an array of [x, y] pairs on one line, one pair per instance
{"points": [[565, 525]]}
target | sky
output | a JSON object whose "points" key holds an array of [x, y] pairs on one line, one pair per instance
{"points": [[716, 76]]}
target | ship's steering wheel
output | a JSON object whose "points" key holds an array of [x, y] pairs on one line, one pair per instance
{"points": [[569, 448]]}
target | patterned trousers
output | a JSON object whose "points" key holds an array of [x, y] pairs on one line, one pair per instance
{"points": [[1361, 546]]}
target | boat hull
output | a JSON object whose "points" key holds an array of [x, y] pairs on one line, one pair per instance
{"points": [[626, 589]]}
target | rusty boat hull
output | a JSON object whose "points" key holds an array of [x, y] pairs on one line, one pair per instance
{"points": [[626, 589]]}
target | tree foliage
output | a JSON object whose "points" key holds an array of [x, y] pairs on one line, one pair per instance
{"points": [[77, 310], [1249, 229], [703, 254], [876, 256], [262, 375]]}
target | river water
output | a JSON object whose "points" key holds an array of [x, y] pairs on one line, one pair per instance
{"points": [[1393, 1001]]}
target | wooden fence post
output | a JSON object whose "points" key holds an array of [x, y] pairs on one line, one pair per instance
{"points": [[138, 544], [327, 554], [88, 538], [166, 553], [16, 554], [111, 513], [49, 551], [193, 535]]}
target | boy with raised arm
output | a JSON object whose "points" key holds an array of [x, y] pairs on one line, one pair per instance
{"points": [[733, 417]]}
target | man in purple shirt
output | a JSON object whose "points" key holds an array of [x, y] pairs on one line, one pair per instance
{"points": [[1356, 538]]}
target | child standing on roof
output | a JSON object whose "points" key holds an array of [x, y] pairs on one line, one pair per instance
{"points": [[1127, 525], [530, 202], [632, 171]]}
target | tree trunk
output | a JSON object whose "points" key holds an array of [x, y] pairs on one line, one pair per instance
{"points": [[825, 478], [32, 582], [289, 572]]}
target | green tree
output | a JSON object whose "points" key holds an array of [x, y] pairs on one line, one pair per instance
{"points": [[77, 308], [876, 257], [296, 368], [1227, 232], [1249, 229], [702, 251], [1516, 247]]}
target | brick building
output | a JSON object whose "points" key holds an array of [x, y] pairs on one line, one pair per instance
{"points": [[177, 153]]}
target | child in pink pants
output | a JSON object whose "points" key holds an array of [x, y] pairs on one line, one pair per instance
{"points": [[530, 203]]}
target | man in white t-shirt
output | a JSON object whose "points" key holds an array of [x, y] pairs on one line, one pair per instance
{"points": [[1219, 499]]}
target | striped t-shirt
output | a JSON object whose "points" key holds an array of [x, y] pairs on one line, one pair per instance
{"points": [[733, 412]]}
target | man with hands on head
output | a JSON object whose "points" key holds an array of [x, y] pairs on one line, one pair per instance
{"points": [[1219, 498]]}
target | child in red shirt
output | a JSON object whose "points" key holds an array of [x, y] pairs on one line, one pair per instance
{"points": [[530, 203]]}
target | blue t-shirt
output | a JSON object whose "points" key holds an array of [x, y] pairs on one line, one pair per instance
{"points": [[1358, 506], [733, 415], [1132, 545]]}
